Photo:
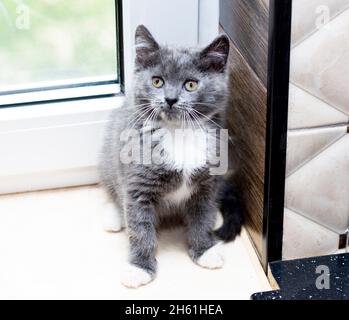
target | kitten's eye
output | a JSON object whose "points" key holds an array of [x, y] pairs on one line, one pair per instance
{"points": [[191, 85], [158, 82]]}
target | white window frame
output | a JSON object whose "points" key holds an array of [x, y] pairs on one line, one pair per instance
{"points": [[56, 144], [59, 90]]}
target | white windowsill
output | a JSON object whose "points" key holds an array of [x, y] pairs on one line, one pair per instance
{"points": [[52, 145], [66, 111], [60, 251]]}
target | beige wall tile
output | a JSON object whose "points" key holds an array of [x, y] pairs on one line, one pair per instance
{"points": [[304, 238], [303, 145], [320, 64], [320, 189], [306, 111]]}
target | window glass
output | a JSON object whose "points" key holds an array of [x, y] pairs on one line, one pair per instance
{"points": [[48, 40]]}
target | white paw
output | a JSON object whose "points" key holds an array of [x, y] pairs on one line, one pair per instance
{"points": [[134, 277], [212, 258], [113, 221]]}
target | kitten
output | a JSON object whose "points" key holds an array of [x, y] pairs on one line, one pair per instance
{"points": [[174, 89]]}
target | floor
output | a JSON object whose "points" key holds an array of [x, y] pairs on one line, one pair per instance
{"points": [[52, 246], [316, 278]]}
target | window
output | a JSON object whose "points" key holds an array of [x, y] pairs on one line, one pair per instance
{"points": [[53, 44], [62, 64]]}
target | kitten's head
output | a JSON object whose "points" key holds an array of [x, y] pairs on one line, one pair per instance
{"points": [[180, 84]]}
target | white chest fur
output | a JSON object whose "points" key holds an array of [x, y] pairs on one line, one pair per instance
{"points": [[185, 150], [179, 195]]}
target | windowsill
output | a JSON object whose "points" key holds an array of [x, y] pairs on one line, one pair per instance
{"points": [[53, 145], [86, 262]]}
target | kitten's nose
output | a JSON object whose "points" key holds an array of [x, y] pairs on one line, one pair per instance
{"points": [[171, 102]]}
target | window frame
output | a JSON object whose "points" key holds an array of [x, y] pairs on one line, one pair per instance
{"points": [[70, 89], [73, 119]]}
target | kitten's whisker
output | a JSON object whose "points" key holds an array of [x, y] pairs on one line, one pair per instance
{"points": [[187, 121], [204, 104], [151, 95], [186, 124], [139, 117], [186, 108], [141, 105], [184, 119], [149, 118], [215, 123], [218, 93], [201, 126], [229, 138], [155, 116], [198, 121], [192, 122], [180, 107], [138, 110], [181, 120]]}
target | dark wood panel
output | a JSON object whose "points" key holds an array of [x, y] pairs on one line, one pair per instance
{"points": [[247, 122], [246, 23], [259, 63]]}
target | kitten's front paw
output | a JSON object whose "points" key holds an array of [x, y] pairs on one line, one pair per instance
{"points": [[113, 221], [212, 258], [134, 277]]}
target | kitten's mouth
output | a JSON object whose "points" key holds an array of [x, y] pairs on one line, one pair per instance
{"points": [[169, 115]]}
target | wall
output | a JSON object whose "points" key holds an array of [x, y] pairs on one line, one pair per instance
{"points": [[246, 24], [317, 186]]}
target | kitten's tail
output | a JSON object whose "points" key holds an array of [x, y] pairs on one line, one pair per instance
{"points": [[232, 213]]}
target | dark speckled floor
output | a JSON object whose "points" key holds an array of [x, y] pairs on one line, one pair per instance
{"points": [[298, 279]]}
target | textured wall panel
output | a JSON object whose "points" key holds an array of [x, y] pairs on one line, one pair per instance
{"points": [[246, 24], [317, 189]]}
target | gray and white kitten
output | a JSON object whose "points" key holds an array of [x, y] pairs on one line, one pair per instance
{"points": [[173, 89]]}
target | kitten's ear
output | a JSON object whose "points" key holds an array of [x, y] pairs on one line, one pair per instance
{"points": [[215, 56], [146, 46]]}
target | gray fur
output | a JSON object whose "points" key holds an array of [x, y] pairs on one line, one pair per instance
{"points": [[138, 190]]}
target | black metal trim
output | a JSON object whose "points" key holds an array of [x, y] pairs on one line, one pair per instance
{"points": [[280, 16], [120, 44]]}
